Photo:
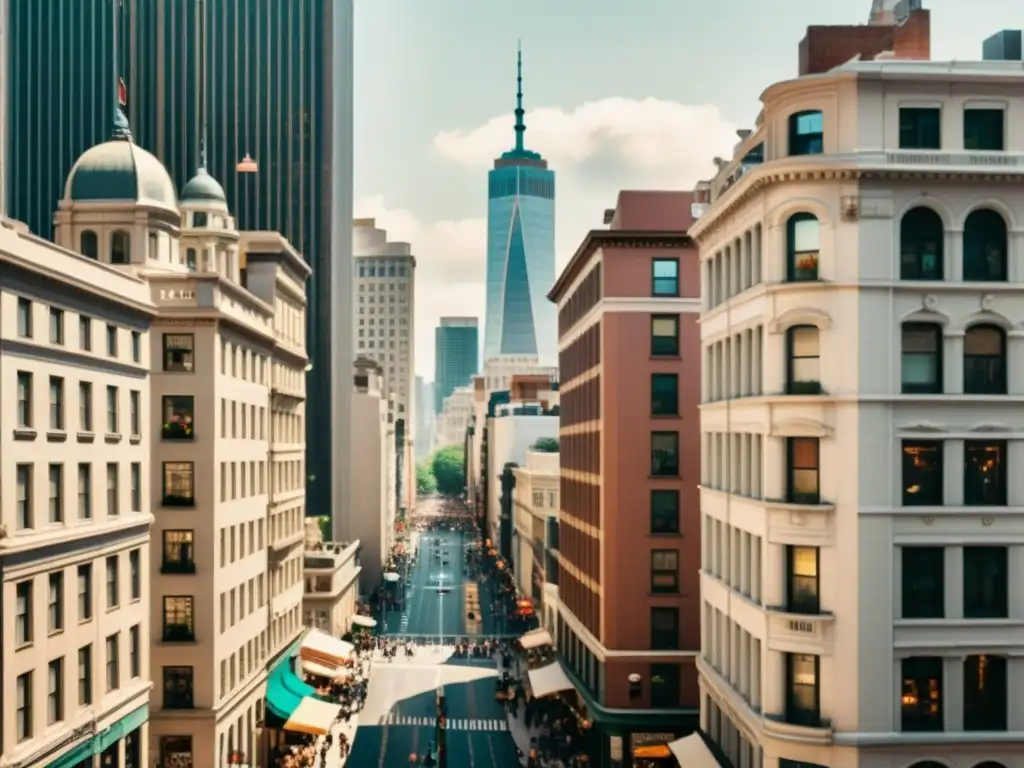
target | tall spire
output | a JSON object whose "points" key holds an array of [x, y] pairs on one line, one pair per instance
{"points": [[520, 112], [121, 129], [202, 83]]}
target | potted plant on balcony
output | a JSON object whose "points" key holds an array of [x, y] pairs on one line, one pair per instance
{"points": [[179, 427]]}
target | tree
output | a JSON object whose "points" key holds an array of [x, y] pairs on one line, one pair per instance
{"points": [[545, 445], [426, 485], [448, 466]]}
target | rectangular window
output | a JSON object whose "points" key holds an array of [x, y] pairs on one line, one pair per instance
{"points": [[85, 406], [134, 651], [665, 571], [112, 341], [85, 333], [135, 573], [23, 613], [56, 326], [803, 589], [802, 473], [113, 492], [55, 602], [179, 352], [920, 128], [806, 133], [665, 277], [664, 629], [179, 619], [23, 501], [922, 473], [986, 704], [56, 502], [178, 688], [665, 454], [984, 478], [135, 412], [921, 359], [921, 697], [179, 549], [179, 484], [113, 585], [24, 318], [23, 706], [986, 583], [923, 582], [665, 686], [57, 403], [136, 478], [55, 691], [113, 663], [84, 491], [178, 417], [984, 129], [136, 347], [664, 511], [113, 420], [24, 399], [802, 693], [665, 335], [85, 675], [664, 394], [85, 592]]}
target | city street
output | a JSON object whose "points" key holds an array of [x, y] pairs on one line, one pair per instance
{"points": [[400, 715]]}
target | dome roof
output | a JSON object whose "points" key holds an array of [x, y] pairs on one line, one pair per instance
{"points": [[121, 171], [203, 188]]}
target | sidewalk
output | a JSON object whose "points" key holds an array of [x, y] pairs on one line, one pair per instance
{"points": [[522, 735], [334, 759]]}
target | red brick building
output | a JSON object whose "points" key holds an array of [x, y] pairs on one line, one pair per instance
{"points": [[905, 34]]}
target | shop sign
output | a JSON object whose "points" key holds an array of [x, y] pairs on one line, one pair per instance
{"points": [[646, 739], [615, 747]]}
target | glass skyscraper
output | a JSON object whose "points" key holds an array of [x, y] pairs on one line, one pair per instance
{"points": [[456, 356], [520, 251]]}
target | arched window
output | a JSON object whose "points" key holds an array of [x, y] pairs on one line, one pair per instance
{"points": [[89, 244], [806, 133], [803, 239], [921, 358], [120, 248], [990, 764], [927, 764], [921, 244], [985, 705], [985, 246], [803, 361], [985, 360], [190, 259]]}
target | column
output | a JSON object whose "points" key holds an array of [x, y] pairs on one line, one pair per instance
{"points": [[774, 567], [1016, 578], [953, 368], [774, 689], [774, 474], [954, 255], [745, 464], [953, 477], [1015, 682], [954, 595], [745, 547], [745, 261], [758, 372], [953, 693], [755, 673]]}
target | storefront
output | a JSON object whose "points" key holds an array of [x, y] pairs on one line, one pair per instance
{"points": [[118, 746]]}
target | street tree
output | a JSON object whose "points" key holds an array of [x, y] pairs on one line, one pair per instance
{"points": [[448, 466], [545, 445], [426, 485]]}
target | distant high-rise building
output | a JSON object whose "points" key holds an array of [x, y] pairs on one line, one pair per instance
{"points": [[520, 251], [283, 102], [456, 356]]}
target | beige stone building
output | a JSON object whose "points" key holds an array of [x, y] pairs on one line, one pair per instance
{"points": [[331, 571], [535, 520]]}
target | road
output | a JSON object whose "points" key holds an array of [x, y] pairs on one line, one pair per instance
{"points": [[399, 717]]}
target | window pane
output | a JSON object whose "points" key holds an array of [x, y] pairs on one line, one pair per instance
{"points": [[804, 342], [804, 453], [922, 473], [983, 341], [663, 326], [806, 235], [809, 122], [805, 561], [666, 268], [923, 577], [984, 473], [922, 339]]}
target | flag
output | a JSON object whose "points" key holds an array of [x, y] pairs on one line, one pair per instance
{"points": [[122, 93]]}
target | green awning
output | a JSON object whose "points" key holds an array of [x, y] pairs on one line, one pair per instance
{"points": [[75, 756], [285, 691], [292, 681]]}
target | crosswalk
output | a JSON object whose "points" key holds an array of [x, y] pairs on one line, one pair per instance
{"points": [[454, 723], [404, 624]]}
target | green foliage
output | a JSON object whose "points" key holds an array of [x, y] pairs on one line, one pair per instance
{"points": [[545, 445], [448, 468], [325, 526], [425, 482]]}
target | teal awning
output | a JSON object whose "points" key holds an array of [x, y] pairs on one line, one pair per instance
{"points": [[285, 691], [293, 682], [75, 756]]}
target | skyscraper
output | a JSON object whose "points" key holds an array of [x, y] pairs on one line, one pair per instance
{"points": [[278, 91], [456, 356], [520, 250]]}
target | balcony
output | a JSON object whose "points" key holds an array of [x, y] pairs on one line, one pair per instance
{"points": [[178, 417], [793, 632], [179, 633], [801, 727], [178, 567]]}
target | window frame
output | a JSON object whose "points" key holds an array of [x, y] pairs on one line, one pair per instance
{"points": [[183, 631], [665, 639], [168, 546], [657, 573], [656, 279], [979, 714], [935, 332], [986, 582], [978, 381], [973, 135], [665, 681], [923, 582], [795, 273], [184, 695], [168, 353], [986, 230], [173, 407], [671, 470], [917, 216], [920, 134], [655, 351], [657, 406], [675, 526], [796, 602], [795, 386], [805, 142], [793, 496], [999, 496], [797, 714], [916, 670], [177, 500], [935, 494]]}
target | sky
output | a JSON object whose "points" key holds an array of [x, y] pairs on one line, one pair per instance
{"points": [[637, 95]]}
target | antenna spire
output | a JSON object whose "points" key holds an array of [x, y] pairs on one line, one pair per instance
{"points": [[520, 112], [202, 83], [121, 129]]}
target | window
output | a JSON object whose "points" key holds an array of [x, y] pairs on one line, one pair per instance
{"points": [[23, 710], [921, 358], [113, 420], [190, 259], [89, 244], [57, 403], [84, 491], [55, 691], [113, 665], [921, 700], [85, 333], [665, 454], [136, 479], [56, 325], [23, 613], [986, 583], [179, 484], [178, 554], [120, 248], [922, 236], [23, 502], [803, 588], [178, 417], [24, 400], [985, 360], [134, 649], [85, 675], [923, 581], [665, 686], [665, 277], [179, 352], [985, 700], [802, 694], [806, 131], [803, 364], [113, 583], [803, 243], [983, 129], [113, 492], [922, 473], [920, 128], [664, 335], [85, 592], [986, 246], [179, 619], [665, 571], [24, 318], [85, 406], [55, 602], [984, 479], [134, 412], [135, 573], [664, 629], [178, 688], [802, 472], [664, 511], [153, 244], [112, 340], [664, 394], [136, 347]]}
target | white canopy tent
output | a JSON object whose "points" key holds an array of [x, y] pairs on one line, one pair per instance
{"points": [[323, 670], [549, 679], [364, 621], [536, 638], [321, 648], [313, 716], [691, 752]]}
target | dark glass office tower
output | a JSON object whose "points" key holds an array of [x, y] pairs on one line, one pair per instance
{"points": [[279, 88], [456, 356]]}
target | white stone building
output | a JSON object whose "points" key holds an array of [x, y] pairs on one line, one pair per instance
{"points": [[863, 370]]}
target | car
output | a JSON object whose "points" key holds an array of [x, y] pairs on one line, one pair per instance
{"points": [[444, 562], [444, 590]]}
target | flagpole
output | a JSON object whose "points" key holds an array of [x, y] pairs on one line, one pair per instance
{"points": [[114, 5]]}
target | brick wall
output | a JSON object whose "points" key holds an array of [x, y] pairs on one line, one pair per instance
{"points": [[824, 48]]}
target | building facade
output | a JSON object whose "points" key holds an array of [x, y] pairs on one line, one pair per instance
{"points": [[536, 503], [456, 356], [331, 572], [76, 507], [296, 125], [520, 251], [629, 544], [455, 416], [861, 530]]}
